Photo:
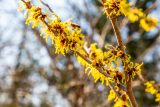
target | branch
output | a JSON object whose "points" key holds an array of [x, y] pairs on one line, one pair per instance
{"points": [[47, 6], [117, 33], [121, 45], [100, 69]]}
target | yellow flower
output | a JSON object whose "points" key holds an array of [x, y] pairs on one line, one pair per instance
{"points": [[131, 68], [84, 63], [111, 95], [115, 7], [61, 45], [58, 28], [121, 103], [63, 36], [97, 75], [96, 55], [157, 97], [148, 23], [73, 41], [34, 16], [76, 41], [134, 14], [150, 87]]}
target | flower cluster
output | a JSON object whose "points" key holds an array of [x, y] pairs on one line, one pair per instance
{"points": [[121, 7], [148, 23], [123, 102], [111, 61], [157, 97], [34, 16], [115, 7], [64, 36], [107, 61], [134, 14], [153, 89], [132, 69], [115, 63]]}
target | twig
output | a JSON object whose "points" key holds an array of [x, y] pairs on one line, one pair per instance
{"points": [[105, 30], [47, 6], [154, 5], [117, 33]]}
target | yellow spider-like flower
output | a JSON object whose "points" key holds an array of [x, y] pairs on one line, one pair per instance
{"points": [[148, 23], [98, 76], [93, 72], [54, 29], [157, 97], [134, 14], [58, 28], [76, 41], [73, 41], [96, 55], [111, 95], [63, 36], [61, 45], [34, 16], [121, 103], [115, 7], [150, 87], [133, 69]]}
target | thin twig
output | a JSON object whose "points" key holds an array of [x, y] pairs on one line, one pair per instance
{"points": [[47, 6], [117, 33]]}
